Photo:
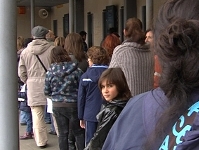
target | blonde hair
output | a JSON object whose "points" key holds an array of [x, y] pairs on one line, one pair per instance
{"points": [[59, 41], [20, 42]]}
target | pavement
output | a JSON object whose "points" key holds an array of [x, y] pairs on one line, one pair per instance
{"points": [[31, 145]]}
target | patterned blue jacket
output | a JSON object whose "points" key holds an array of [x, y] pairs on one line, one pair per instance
{"points": [[62, 81]]}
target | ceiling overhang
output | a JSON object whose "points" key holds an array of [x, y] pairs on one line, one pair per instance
{"points": [[41, 3]]}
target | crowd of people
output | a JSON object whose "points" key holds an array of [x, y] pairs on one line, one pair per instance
{"points": [[140, 93]]}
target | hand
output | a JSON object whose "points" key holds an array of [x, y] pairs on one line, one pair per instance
{"points": [[82, 124]]}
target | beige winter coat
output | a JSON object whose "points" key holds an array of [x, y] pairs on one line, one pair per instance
{"points": [[31, 71]]}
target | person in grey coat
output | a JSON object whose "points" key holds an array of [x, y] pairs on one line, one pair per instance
{"points": [[135, 59]]}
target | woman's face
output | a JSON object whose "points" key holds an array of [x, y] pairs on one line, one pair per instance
{"points": [[109, 90]]}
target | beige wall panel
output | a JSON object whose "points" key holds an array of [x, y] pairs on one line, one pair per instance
{"points": [[58, 14], [96, 7], [24, 22]]}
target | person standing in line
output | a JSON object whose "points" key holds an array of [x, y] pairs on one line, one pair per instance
{"points": [[20, 48], [50, 37], [74, 46], [134, 57], [83, 35], [114, 88], [166, 118], [61, 84], [31, 72], [157, 68], [89, 95]]}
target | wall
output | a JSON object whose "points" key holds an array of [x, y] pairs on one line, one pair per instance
{"points": [[96, 7], [24, 22], [58, 14]]}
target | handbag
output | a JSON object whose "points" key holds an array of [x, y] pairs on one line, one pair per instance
{"points": [[41, 63]]}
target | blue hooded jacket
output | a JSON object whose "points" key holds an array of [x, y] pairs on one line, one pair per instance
{"points": [[89, 95]]}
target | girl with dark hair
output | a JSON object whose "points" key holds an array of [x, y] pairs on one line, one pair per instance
{"points": [[115, 91], [166, 117], [61, 84], [134, 57]]}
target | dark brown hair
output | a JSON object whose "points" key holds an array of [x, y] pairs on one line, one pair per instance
{"points": [[116, 76], [176, 43], [133, 31], [98, 55], [74, 45], [59, 54]]}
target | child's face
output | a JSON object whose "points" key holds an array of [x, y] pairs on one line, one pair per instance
{"points": [[90, 63], [109, 90]]}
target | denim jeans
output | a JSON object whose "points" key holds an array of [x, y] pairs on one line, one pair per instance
{"points": [[29, 122], [65, 116], [22, 116], [47, 115]]}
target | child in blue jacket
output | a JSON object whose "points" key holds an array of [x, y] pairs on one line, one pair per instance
{"points": [[23, 106], [89, 95]]}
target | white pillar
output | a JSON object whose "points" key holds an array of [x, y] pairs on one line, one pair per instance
{"points": [[71, 16], [149, 13], [9, 130]]}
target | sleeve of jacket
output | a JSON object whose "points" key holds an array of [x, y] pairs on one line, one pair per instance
{"points": [[47, 86], [22, 71], [115, 58], [103, 128], [81, 99]]}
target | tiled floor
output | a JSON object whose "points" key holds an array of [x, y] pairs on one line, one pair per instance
{"points": [[31, 145]]}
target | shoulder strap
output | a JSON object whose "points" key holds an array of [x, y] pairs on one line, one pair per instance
{"points": [[41, 63]]}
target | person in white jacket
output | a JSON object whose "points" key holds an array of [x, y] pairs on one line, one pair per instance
{"points": [[31, 72]]}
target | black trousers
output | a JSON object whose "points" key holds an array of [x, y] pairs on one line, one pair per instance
{"points": [[67, 119]]}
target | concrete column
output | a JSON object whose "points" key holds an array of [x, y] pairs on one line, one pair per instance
{"points": [[149, 13], [71, 16], [9, 130], [32, 13]]}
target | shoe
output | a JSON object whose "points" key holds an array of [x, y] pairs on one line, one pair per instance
{"points": [[52, 132], [42, 147], [26, 136], [23, 124]]}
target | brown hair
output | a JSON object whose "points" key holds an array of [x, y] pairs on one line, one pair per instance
{"points": [[110, 42], [133, 31], [74, 45], [116, 76], [59, 41], [98, 55], [59, 54]]}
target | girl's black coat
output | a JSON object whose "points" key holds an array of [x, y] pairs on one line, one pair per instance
{"points": [[106, 118]]}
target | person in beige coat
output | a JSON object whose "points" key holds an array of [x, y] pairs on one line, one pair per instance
{"points": [[32, 73]]}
